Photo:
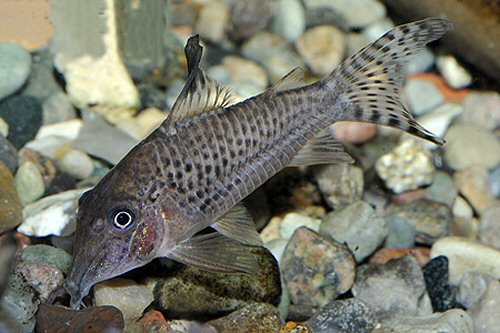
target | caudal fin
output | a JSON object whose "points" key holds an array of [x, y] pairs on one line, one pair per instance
{"points": [[371, 80]]}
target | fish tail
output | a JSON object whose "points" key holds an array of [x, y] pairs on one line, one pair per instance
{"points": [[369, 82]]}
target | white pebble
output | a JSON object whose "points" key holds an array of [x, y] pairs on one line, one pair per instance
{"points": [[455, 75], [76, 163]]}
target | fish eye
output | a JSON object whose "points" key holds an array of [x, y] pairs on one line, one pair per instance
{"points": [[122, 218]]}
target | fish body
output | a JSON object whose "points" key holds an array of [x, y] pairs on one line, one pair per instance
{"points": [[192, 172]]}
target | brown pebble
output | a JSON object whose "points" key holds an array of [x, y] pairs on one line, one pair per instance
{"points": [[354, 132], [382, 256]]}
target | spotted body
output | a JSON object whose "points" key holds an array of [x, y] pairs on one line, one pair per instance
{"points": [[209, 154]]}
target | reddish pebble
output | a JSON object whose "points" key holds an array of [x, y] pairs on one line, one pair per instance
{"points": [[450, 94], [382, 256], [407, 197], [154, 322], [354, 132]]}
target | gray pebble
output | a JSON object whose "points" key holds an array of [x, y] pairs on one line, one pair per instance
{"points": [[15, 64], [485, 311], [494, 180], [489, 227], [346, 316], [422, 96], [482, 109], [358, 226], [442, 190], [421, 62], [8, 154], [401, 234], [394, 289], [249, 17], [57, 108], [340, 184], [472, 288]]}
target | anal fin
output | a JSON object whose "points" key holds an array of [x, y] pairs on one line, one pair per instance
{"points": [[215, 252], [322, 149], [238, 224]]}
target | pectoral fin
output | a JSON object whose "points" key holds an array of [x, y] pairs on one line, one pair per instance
{"points": [[215, 252], [322, 149], [238, 224]]}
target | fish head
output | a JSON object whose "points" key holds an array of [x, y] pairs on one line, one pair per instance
{"points": [[117, 231]]}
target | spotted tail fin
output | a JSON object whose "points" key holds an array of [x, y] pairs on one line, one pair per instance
{"points": [[371, 80]]}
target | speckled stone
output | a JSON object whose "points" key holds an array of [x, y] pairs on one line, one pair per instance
{"points": [[357, 226], [451, 321], [430, 220], [10, 206], [43, 277], [322, 48], [257, 317], [465, 255], [442, 294], [394, 289], [407, 167], [469, 145], [346, 316], [341, 184], [316, 269], [189, 292]]}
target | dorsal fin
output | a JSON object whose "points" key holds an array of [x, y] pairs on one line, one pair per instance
{"points": [[293, 79], [322, 149], [200, 93]]}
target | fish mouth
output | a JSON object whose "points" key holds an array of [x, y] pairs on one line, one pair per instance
{"points": [[78, 286]]}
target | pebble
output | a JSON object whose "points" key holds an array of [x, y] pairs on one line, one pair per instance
{"points": [[451, 321], [57, 108], [484, 313], [422, 96], [469, 145], [29, 182], [482, 109], [44, 278], [151, 96], [442, 189], [52, 215], [24, 116], [187, 326], [15, 66], [394, 289], [489, 227], [55, 318], [316, 269], [430, 220], [400, 233], [354, 132], [289, 20], [346, 316], [441, 293], [357, 226], [10, 206], [273, 52], [42, 82], [385, 254], [8, 154], [65, 129], [322, 48], [340, 184], [472, 288], [462, 209], [377, 29], [472, 183], [248, 18], [76, 163], [354, 41], [421, 62], [47, 254], [153, 321], [126, 295], [256, 317], [465, 255], [98, 138], [438, 120], [494, 181], [212, 21], [407, 167], [4, 128], [455, 75], [293, 221], [188, 292]]}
